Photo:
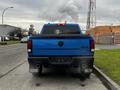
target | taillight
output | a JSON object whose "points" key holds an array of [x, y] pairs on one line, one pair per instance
{"points": [[92, 45], [29, 45]]}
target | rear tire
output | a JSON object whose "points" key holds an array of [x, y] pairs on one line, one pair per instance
{"points": [[40, 70], [46, 66], [34, 74], [82, 76], [88, 75]]}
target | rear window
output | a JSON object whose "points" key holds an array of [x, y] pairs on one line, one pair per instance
{"points": [[61, 29]]}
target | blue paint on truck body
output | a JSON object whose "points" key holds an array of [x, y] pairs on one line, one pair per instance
{"points": [[72, 47], [60, 43]]}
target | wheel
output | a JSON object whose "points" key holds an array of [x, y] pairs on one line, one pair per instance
{"points": [[88, 75], [82, 76], [40, 70], [34, 74], [46, 66]]}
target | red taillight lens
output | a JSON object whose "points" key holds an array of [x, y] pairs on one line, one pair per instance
{"points": [[92, 45], [29, 45]]}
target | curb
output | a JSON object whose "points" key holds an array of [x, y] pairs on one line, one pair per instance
{"points": [[110, 84]]}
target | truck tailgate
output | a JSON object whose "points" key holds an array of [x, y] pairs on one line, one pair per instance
{"points": [[61, 46]]}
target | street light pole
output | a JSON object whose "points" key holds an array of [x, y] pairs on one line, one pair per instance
{"points": [[4, 13], [3, 39]]}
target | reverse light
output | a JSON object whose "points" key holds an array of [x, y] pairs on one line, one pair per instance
{"points": [[29, 45]]}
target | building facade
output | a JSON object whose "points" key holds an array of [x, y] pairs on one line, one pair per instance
{"points": [[8, 30]]}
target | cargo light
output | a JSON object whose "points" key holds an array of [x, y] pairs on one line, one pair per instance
{"points": [[92, 45], [29, 45]]}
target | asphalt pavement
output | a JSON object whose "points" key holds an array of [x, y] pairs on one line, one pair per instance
{"points": [[11, 56], [16, 76]]}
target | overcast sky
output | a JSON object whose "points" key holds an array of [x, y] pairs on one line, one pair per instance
{"points": [[37, 12]]}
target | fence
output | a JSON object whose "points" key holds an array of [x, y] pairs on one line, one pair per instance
{"points": [[111, 38]]}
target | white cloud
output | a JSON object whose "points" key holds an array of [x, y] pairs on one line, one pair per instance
{"points": [[26, 12]]}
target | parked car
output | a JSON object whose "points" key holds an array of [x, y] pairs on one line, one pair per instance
{"points": [[24, 40], [4, 38], [61, 44], [7, 38]]}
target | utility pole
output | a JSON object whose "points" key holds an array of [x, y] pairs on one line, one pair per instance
{"points": [[91, 17]]}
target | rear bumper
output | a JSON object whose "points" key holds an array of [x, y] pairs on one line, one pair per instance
{"points": [[85, 63], [72, 61]]}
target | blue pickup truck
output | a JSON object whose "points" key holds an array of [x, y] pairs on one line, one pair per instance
{"points": [[61, 44]]}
